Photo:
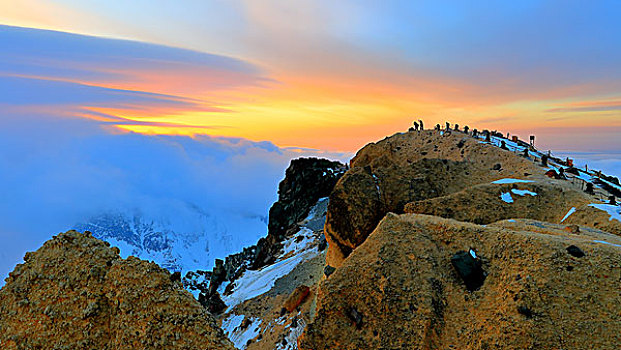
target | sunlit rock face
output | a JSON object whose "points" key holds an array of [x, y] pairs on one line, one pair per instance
{"points": [[76, 292]]}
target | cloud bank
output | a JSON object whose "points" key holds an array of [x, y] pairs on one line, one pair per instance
{"points": [[59, 168], [58, 172]]}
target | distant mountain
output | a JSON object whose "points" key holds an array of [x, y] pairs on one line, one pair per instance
{"points": [[184, 238]]}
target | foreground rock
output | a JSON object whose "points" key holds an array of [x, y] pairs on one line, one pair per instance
{"points": [[400, 290], [75, 292]]}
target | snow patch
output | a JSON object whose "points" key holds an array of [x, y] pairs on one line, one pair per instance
{"points": [[608, 243], [523, 192], [612, 210], [240, 337], [230, 323], [571, 211], [298, 242], [510, 181], [506, 197], [255, 283], [473, 253], [291, 339]]}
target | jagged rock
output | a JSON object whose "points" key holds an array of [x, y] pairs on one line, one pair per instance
{"points": [[212, 302], [77, 293], [306, 180], [401, 282]]}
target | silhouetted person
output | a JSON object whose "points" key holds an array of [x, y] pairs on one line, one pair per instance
{"points": [[503, 145], [544, 160], [612, 200], [448, 126], [488, 136], [456, 127], [589, 188], [438, 127], [420, 122], [525, 152], [415, 126], [466, 128], [475, 133]]}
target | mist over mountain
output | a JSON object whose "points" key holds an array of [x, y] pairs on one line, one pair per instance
{"points": [[65, 172]]}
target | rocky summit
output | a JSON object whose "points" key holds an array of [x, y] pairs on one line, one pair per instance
{"points": [[75, 292], [506, 256]]}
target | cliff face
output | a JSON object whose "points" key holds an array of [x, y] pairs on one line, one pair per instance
{"points": [[75, 292], [306, 181]]}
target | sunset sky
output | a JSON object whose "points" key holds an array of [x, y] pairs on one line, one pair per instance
{"points": [[328, 75]]}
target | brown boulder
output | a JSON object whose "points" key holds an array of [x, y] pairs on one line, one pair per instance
{"points": [[399, 290], [75, 292]]}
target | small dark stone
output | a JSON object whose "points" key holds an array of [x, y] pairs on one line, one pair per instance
{"points": [[323, 243], [497, 166], [356, 317], [525, 311], [283, 311], [469, 269], [575, 251], [570, 268], [328, 270]]}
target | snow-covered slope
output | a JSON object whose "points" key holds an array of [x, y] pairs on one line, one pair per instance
{"points": [[184, 238]]}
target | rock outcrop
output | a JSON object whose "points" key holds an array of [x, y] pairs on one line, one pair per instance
{"points": [[400, 290], [306, 180], [75, 292], [544, 200], [409, 167]]}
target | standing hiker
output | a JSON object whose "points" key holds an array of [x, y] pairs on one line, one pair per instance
{"points": [[503, 145], [448, 126], [421, 124], [415, 126], [456, 127], [466, 128]]}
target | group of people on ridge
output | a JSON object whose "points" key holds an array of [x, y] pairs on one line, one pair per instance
{"points": [[418, 125]]}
